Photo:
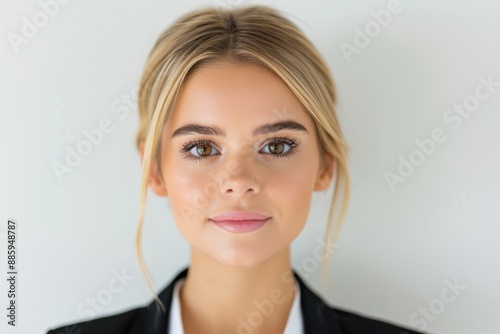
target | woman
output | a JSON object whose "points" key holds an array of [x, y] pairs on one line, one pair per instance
{"points": [[237, 129]]}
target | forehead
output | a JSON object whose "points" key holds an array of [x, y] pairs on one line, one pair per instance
{"points": [[227, 93]]}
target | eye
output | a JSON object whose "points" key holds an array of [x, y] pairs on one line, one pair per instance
{"points": [[281, 147], [198, 149]]}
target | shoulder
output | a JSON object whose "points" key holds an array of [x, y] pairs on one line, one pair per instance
{"points": [[320, 317], [354, 323], [148, 319]]}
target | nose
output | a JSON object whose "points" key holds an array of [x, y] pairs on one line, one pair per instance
{"points": [[239, 178]]}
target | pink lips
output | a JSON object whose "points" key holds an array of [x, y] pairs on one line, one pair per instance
{"points": [[239, 222]]}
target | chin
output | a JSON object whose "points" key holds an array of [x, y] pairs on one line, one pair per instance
{"points": [[240, 259]]}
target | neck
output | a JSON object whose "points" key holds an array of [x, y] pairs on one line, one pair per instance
{"points": [[219, 299]]}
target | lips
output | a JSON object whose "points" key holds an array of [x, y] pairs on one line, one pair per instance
{"points": [[240, 222], [239, 215]]}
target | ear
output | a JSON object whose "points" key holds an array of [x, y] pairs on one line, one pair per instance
{"points": [[325, 174], [155, 181]]}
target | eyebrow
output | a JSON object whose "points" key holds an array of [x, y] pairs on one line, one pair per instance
{"points": [[216, 131]]}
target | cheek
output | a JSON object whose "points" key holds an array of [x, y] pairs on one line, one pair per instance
{"points": [[189, 192], [291, 191]]}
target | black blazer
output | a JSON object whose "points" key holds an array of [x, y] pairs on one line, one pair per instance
{"points": [[318, 318]]}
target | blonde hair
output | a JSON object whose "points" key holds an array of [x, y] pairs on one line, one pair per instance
{"points": [[253, 34]]}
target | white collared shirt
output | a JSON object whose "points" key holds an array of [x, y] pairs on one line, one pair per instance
{"points": [[294, 324]]}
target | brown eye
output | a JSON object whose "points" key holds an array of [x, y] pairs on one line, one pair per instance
{"points": [[204, 149], [276, 148], [281, 147], [198, 150]]}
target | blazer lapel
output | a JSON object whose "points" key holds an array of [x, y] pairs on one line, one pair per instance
{"points": [[152, 319], [317, 317]]}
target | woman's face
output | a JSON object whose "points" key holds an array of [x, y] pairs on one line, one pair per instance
{"points": [[272, 172]]}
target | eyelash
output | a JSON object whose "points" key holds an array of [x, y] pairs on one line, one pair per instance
{"points": [[291, 141]]}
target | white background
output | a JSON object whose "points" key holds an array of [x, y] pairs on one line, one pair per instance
{"points": [[397, 248]]}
